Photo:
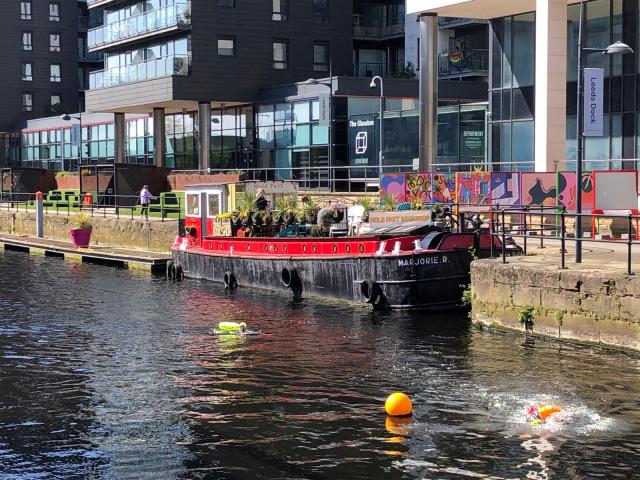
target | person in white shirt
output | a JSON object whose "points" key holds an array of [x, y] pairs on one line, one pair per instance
{"points": [[145, 199]]}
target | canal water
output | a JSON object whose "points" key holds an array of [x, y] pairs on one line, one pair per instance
{"points": [[106, 373]]}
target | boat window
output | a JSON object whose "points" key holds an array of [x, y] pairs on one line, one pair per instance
{"points": [[193, 204], [214, 204]]}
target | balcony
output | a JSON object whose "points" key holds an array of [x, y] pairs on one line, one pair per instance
{"points": [[455, 22], [177, 65], [384, 69], [468, 64], [90, 57], [85, 22], [165, 19], [377, 28], [102, 3]]}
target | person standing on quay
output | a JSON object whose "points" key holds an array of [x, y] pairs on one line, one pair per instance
{"points": [[145, 199]]}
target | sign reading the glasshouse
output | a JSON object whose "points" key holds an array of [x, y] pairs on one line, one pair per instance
{"points": [[363, 148], [472, 140]]}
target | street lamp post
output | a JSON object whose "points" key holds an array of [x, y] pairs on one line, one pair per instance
{"points": [[375, 79], [67, 118], [617, 48]]}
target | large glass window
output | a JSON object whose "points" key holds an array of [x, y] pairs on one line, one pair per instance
{"points": [[25, 10], [280, 10], [27, 102], [54, 42], [54, 11], [27, 40], [280, 54], [27, 71], [55, 73], [320, 56], [226, 46]]}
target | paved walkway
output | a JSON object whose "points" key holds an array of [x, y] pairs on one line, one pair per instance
{"points": [[596, 256]]}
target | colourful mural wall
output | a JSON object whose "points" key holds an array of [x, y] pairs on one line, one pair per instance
{"points": [[418, 187], [505, 188], [394, 184], [473, 188], [538, 189], [443, 187]]}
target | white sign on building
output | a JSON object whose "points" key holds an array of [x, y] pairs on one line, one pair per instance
{"points": [[593, 102]]}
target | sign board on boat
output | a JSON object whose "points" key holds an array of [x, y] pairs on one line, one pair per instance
{"points": [[382, 219], [273, 187]]}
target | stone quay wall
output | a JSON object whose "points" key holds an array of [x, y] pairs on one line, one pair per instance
{"points": [[153, 236], [579, 305]]}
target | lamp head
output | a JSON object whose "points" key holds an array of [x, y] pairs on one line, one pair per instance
{"points": [[66, 117], [373, 83], [618, 48]]}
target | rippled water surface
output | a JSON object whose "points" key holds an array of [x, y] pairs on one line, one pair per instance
{"points": [[107, 373]]}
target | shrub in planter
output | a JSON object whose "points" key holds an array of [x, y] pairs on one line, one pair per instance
{"points": [[80, 230]]}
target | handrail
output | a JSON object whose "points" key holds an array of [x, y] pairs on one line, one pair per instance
{"points": [[146, 22], [96, 204], [525, 228], [179, 65]]}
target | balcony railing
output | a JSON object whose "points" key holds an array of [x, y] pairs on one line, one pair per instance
{"points": [[463, 63], [86, 22], [85, 56], [377, 28], [452, 22], [177, 65], [175, 15], [384, 69]]}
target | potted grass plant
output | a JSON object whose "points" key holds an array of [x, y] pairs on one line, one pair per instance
{"points": [[80, 231]]}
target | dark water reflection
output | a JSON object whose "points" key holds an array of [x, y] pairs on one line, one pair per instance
{"points": [[108, 374]]}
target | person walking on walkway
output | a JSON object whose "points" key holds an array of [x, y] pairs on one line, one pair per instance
{"points": [[145, 199]]}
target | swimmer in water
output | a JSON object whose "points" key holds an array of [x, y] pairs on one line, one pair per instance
{"points": [[243, 328], [539, 414]]}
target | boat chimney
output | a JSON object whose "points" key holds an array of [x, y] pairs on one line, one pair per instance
{"points": [[382, 247], [396, 248]]}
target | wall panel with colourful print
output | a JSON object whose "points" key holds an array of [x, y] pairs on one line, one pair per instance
{"points": [[418, 187], [538, 188], [443, 187], [505, 188], [473, 188], [394, 184]]}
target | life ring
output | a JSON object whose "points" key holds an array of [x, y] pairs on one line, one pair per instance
{"points": [[170, 271], [370, 291], [230, 282]]}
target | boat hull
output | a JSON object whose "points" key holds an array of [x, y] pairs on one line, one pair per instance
{"points": [[420, 280]]}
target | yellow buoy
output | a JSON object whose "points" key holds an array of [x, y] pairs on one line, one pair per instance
{"points": [[398, 405]]}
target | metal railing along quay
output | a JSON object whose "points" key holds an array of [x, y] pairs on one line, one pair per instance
{"points": [[176, 15], [556, 223], [117, 206]]}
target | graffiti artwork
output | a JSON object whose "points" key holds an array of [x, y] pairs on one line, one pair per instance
{"points": [[418, 187], [505, 188], [539, 188], [443, 187], [394, 184], [567, 190], [473, 188]]}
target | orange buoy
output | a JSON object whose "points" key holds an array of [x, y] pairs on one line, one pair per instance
{"points": [[546, 411], [398, 405]]}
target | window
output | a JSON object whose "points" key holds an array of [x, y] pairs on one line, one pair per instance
{"points": [[27, 40], [280, 54], [54, 11], [25, 10], [227, 3], [226, 46], [320, 57], [55, 99], [320, 11], [54, 42], [280, 10], [27, 102], [27, 71], [55, 75]]}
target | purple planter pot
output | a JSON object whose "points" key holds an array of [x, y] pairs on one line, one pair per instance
{"points": [[81, 236]]}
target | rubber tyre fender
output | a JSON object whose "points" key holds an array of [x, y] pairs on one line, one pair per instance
{"points": [[370, 291], [170, 271], [178, 272], [290, 277], [230, 282]]}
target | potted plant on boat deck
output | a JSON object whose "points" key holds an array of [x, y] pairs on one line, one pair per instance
{"points": [[80, 231]]}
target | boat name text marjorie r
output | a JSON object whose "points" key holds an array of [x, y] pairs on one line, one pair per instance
{"points": [[423, 261]]}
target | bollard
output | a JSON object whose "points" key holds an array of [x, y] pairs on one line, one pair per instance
{"points": [[504, 241], [525, 231], [629, 244], [542, 226], [39, 215], [562, 234]]}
